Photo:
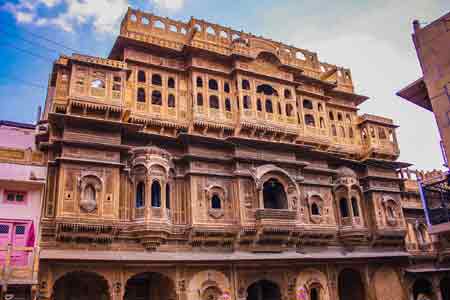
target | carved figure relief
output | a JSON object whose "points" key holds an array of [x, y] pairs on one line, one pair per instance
{"points": [[90, 186]]}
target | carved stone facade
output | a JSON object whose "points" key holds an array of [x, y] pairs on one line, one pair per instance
{"points": [[198, 162]]}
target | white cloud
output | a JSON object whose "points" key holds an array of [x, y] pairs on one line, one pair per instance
{"points": [[23, 17], [169, 4]]}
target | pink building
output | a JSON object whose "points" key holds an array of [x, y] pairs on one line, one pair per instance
{"points": [[22, 179]]}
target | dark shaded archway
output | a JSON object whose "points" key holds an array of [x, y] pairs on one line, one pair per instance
{"points": [[149, 286], [274, 195], [445, 288], [81, 286], [422, 287], [351, 286], [263, 290]]}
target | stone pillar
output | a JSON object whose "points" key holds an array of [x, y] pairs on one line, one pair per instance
{"points": [[332, 282], [261, 198]]}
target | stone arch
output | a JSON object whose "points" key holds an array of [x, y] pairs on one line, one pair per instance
{"points": [[155, 285], [208, 282], [351, 285], [312, 278], [387, 285], [264, 289], [87, 285], [422, 289]]}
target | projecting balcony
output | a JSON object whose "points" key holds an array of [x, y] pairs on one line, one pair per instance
{"points": [[267, 216], [18, 265], [353, 231]]}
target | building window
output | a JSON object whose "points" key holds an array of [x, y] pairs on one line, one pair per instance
{"points": [[14, 197], [156, 98], [320, 107], [199, 99], [339, 117], [141, 95], [156, 194], [269, 107], [215, 202], [226, 87], [287, 94], [289, 110], [227, 104], [279, 109], [171, 83], [343, 206], [349, 119], [247, 102], [212, 84], [342, 130], [171, 100], [315, 211], [333, 130], [214, 102], [314, 294], [140, 195], [245, 84], [322, 123], [372, 132], [355, 207], [350, 132], [156, 79], [382, 134], [307, 104], [331, 116], [167, 196], [199, 82], [309, 120], [258, 105], [274, 195], [141, 76]]}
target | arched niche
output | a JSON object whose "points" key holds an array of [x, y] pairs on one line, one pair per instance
{"points": [[150, 285], [316, 205], [90, 186], [392, 211], [264, 289], [81, 285], [310, 279], [387, 285], [209, 285]]}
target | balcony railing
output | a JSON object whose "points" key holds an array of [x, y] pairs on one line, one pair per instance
{"points": [[19, 265]]}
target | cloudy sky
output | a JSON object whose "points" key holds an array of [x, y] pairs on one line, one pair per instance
{"points": [[372, 38]]}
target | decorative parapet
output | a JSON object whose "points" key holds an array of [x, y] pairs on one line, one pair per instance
{"points": [[275, 214], [99, 61]]}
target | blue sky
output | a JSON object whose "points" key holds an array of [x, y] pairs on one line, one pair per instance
{"points": [[372, 38]]}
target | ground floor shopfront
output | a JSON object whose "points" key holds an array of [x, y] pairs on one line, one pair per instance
{"points": [[131, 278]]}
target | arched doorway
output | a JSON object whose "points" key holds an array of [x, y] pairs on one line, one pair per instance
{"points": [[81, 286], [422, 289], [351, 286], [263, 290], [274, 195], [149, 286], [445, 288]]}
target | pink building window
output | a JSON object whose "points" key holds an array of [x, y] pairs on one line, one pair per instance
{"points": [[17, 234], [14, 197]]}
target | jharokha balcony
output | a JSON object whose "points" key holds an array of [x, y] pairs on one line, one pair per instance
{"points": [[18, 265]]}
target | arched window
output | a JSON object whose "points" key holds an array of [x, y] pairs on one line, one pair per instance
{"points": [[245, 84], [333, 130], [279, 108], [314, 294], [168, 196], [287, 94], [331, 116], [274, 195], [226, 87], [266, 89], [156, 98], [227, 104], [258, 105], [289, 110], [382, 134], [309, 120], [89, 193], [215, 202], [199, 82], [343, 206], [141, 76], [355, 207], [141, 95], [156, 194], [315, 211], [269, 107], [171, 100], [307, 104], [247, 102], [320, 107], [199, 99], [140, 195], [322, 123], [214, 102], [171, 83], [156, 79], [212, 84]]}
